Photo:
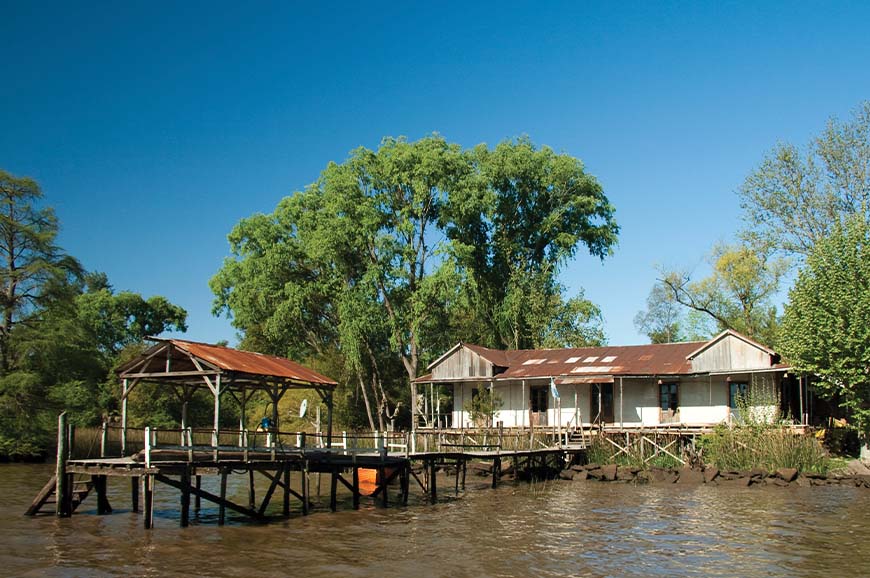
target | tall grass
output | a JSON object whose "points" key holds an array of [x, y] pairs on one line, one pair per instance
{"points": [[770, 448]]}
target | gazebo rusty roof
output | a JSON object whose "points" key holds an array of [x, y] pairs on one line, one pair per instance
{"points": [[186, 366], [191, 363]]}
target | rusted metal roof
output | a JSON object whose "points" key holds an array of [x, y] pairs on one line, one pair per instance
{"points": [[254, 363], [588, 363], [658, 359], [236, 361]]}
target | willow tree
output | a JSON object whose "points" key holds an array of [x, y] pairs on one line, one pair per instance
{"points": [[379, 257], [534, 209]]}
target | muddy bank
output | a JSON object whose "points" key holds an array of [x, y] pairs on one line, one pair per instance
{"points": [[783, 477]]}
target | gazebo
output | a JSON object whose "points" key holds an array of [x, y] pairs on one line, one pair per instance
{"points": [[186, 366]]}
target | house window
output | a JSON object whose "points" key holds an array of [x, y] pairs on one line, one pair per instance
{"points": [[736, 390], [669, 397]]}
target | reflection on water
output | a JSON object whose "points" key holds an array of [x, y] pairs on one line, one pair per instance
{"points": [[547, 529]]}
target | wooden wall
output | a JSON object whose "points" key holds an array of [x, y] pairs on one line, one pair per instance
{"points": [[731, 353], [463, 363]]}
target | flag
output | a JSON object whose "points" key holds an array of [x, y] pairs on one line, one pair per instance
{"points": [[554, 391]]}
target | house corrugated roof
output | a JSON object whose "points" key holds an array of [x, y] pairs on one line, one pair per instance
{"points": [[655, 359]]}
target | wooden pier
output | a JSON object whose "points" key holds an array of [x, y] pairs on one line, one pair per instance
{"points": [[280, 457]]}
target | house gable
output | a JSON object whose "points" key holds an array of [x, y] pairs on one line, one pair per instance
{"points": [[460, 363], [730, 351]]}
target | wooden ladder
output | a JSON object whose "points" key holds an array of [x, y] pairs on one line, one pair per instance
{"points": [[47, 496]]}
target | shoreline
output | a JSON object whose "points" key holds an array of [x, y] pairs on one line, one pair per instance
{"points": [[710, 475]]}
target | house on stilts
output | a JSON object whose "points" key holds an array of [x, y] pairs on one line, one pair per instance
{"points": [[680, 385]]}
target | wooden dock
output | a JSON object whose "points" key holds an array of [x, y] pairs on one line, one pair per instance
{"points": [[182, 464]]}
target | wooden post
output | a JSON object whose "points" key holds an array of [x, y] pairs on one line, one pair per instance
{"points": [[406, 482], [286, 488], [305, 487], [134, 493], [333, 489], [456, 479], [355, 487], [252, 499], [124, 392], [103, 506], [464, 470], [63, 507], [329, 420], [185, 497], [382, 473], [148, 492], [217, 415], [496, 471], [243, 402], [222, 511], [196, 499], [433, 486], [104, 439]]}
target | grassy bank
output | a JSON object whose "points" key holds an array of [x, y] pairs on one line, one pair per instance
{"points": [[738, 448]]}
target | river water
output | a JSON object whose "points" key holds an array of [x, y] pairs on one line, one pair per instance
{"points": [[552, 528]]}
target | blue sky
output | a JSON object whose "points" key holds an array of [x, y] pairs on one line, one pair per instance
{"points": [[155, 127]]}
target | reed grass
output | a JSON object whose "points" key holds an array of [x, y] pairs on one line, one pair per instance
{"points": [[769, 448]]}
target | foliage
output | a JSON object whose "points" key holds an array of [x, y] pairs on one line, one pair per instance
{"points": [[31, 262], [826, 328], [737, 294], [482, 407], [532, 211], [770, 448], [63, 331], [661, 321], [796, 198], [758, 405], [394, 253]]}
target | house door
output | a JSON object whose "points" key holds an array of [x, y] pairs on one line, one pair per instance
{"points": [[601, 403], [540, 396]]}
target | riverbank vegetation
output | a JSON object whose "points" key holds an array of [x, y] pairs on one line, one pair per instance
{"points": [[62, 329]]}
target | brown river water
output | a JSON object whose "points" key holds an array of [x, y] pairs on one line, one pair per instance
{"points": [[552, 528]]}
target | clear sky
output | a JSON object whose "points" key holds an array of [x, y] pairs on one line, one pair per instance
{"points": [[154, 127]]}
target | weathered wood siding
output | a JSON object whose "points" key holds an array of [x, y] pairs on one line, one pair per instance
{"points": [[731, 353], [462, 364]]}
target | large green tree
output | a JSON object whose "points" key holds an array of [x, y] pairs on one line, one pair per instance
{"points": [[826, 325], [531, 210], [387, 258], [796, 196]]}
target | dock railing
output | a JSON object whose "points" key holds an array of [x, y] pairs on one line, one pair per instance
{"points": [[106, 441]]}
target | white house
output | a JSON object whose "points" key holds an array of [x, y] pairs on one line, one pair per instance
{"points": [[691, 384]]}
